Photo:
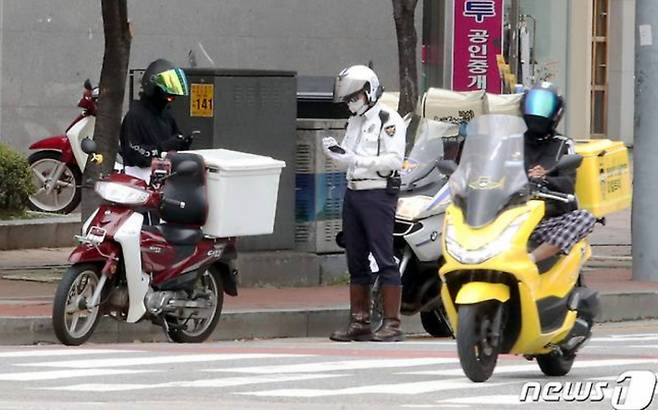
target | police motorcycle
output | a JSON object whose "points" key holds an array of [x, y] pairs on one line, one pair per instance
{"points": [[496, 298], [424, 197]]}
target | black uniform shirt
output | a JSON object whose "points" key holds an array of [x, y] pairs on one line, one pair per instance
{"points": [[143, 131]]}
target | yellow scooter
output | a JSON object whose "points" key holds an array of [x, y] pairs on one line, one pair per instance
{"points": [[497, 300]]}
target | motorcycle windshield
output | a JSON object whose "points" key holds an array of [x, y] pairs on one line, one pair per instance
{"points": [[491, 170], [419, 167]]}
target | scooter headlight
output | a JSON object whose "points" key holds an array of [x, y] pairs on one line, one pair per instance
{"points": [[409, 208], [121, 193], [476, 256]]}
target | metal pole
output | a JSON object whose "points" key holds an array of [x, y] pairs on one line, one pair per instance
{"points": [[515, 11], [645, 187]]}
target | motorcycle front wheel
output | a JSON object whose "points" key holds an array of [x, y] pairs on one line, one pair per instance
{"points": [[478, 351], [196, 328], [72, 321], [61, 196]]}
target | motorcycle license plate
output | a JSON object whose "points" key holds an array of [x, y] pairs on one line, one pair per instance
{"points": [[96, 235]]}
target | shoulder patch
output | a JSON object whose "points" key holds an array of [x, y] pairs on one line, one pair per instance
{"points": [[390, 130]]}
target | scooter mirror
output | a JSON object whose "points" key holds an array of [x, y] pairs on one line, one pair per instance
{"points": [[87, 84], [187, 168], [88, 146], [446, 166], [567, 163]]}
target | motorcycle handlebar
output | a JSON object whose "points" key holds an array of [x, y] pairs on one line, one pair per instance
{"points": [[173, 202], [557, 196]]}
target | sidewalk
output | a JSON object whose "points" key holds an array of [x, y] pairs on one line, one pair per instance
{"points": [[25, 306]]}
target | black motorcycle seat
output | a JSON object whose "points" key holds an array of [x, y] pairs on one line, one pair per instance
{"points": [[177, 234]]}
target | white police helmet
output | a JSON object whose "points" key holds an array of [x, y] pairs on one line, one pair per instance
{"points": [[354, 79]]}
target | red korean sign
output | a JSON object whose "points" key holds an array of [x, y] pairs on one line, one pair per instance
{"points": [[477, 40]]}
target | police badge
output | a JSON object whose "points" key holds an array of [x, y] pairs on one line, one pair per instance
{"points": [[390, 130]]}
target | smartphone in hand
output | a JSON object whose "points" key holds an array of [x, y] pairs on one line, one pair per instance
{"points": [[337, 149]]}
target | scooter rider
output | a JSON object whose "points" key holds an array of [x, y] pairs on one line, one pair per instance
{"points": [[148, 128], [565, 225], [372, 151]]}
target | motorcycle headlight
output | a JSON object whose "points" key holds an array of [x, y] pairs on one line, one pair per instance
{"points": [[121, 193], [410, 208], [476, 256]]}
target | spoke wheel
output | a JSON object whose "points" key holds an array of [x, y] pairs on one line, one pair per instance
{"points": [[197, 326], [73, 322], [61, 195], [478, 351]]}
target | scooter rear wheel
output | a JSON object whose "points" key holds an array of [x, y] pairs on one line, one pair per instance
{"points": [[434, 322], [555, 364], [198, 329], [72, 321], [478, 351]]}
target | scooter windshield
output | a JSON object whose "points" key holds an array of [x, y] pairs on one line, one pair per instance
{"points": [[427, 136], [491, 170]]}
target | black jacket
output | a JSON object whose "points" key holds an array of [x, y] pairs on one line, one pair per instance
{"points": [[146, 131], [547, 153]]}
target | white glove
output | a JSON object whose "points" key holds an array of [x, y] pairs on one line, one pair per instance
{"points": [[328, 142]]}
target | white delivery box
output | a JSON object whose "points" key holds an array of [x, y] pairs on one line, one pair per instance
{"points": [[242, 192]]}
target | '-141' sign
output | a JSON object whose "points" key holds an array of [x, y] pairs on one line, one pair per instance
{"points": [[477, 40]]}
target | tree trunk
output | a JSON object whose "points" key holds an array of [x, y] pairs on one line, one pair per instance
{"points": [[110, 103], [405, 28]]}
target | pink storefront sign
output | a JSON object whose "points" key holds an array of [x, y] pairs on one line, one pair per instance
{"points": [[477, 40]]}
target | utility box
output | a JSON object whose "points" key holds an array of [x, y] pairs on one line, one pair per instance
{"points": [[603, 180], [251, 111]]}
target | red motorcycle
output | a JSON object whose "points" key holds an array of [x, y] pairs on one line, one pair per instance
{"points": [[170, 273], [58, 162]]}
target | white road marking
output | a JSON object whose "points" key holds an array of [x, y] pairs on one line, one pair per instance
{"points": [[332, 366], [214, 383], [625, 339], [65, 374], [496, 400], [61, 352], [405, 389], [145, 361], [583, 364]]}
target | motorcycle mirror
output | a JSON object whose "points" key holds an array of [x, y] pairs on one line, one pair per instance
{"points": [[446, 166], [88, 85], [567, 163], [88, 146], [187, 168]]}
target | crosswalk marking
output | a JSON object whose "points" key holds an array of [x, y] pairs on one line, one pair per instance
{"points": [[145, 361], [61, 352], [395, 389], [625, 339], [341, 365], [65, 374], [583, 364], [223, 382]]}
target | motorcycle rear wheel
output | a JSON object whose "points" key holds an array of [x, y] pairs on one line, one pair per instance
{"points": [[197, 330], [65, 196], [72, 321], [555, 364], [478, 352], [434, 322]]}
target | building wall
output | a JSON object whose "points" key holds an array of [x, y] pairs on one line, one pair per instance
{"points": [[621, 72], [48, 48]]}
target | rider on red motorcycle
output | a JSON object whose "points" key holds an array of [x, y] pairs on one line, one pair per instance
{"points": [[148, 129]]}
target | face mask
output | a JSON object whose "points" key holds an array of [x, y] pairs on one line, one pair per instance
{"points": [[357, 107]]}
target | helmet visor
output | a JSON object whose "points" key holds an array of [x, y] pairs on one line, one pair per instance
{"points": [[172, 82], [542, 103]]}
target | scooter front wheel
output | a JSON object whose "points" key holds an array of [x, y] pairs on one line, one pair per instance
{"points": [[72, 320], [57, 184], [477, 346]]}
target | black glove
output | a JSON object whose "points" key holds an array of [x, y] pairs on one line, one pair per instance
{"points": [[176, 143]]}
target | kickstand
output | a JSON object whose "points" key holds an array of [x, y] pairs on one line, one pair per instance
{"points": [[165, 327]]}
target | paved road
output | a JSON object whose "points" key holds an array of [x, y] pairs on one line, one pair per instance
{"points": [[302, 374]]}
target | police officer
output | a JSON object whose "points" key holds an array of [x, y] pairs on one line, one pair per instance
{"points": [[148, 128], [372, 151]]}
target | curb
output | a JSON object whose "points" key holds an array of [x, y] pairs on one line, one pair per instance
{"points": [[281, 323], [51, 232]]}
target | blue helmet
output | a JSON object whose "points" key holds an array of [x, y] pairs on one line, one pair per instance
{"points": [[542, 108]]}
